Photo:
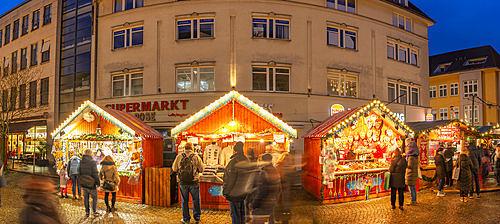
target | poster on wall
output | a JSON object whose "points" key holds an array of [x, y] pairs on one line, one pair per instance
{"points": [[423, 146]]}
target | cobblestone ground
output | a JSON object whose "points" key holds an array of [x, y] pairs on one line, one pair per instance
{"points": [[429, 209]]}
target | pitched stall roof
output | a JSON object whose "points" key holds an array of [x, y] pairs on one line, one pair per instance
{"points": [[421, 126], [321, 129], [458, 60], [127, 122]]}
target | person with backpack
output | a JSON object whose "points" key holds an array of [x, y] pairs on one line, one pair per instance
{"points": [[188, 166], [90, 179], [73, 167], [266, 195], [235, 180]]}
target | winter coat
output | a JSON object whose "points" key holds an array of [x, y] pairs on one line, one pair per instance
{"points": [[440, 166], [497, 159], [109, 172], [464, 182], [268, 189], [449, 152], [198, 166], [63, 177], [397, 170], [475, 156], [74, 165], [89, 167], [3, 182], [40, 208], [412, 150], [412, 171], [235, 177]]}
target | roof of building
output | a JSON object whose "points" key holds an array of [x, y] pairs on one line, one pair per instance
{"points": [[14, 8], [458, 60], [412, 8]]}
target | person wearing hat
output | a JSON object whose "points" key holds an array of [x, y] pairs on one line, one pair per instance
{"points": [[63, 181], [235, 180], [40, 204]]}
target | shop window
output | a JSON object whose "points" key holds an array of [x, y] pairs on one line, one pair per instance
{"points": [[443, 113], [33, 90], [35, 23], [401, 21], [341, 38], [34, 54], [272, 79], [14, 62], [128, 37], [47, 14], [44, 92], [127, 85], [343, 5], [15, 30], [7, 34], [121, 5], [443, 90], [195, 79], [24, 58], [22, 96], [454, 89], [271, 28], [25, 25], [195, 28], [402, 53], [470, 88], [468, 114], [45, 50], [342, 85], [433, 91], [404, 94]]}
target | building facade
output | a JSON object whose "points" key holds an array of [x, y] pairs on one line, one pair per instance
{"points": [[462, 78]]}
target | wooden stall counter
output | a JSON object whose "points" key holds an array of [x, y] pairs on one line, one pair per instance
{"points": [[210, 194], [126, 192]]}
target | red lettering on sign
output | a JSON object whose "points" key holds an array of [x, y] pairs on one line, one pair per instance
{"points": [[146, 106], [136, 107], [184, 104], [110, 106], [156, 106], [122, 106], [164, 105], [129, 107], [173, 104]]}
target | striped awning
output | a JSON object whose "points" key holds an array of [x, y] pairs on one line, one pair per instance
{"points": [[322, 129]]}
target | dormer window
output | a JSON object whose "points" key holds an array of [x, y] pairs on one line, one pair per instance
{"points": [[402, 2], [442, 68], [475, 61]]}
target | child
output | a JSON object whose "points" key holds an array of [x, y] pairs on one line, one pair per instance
{"points": [[63, 175]]}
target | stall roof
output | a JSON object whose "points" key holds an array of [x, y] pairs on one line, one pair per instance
{"points": [[483, 129], [341, 120], [425, 125], [234, 95], [127, 122]]}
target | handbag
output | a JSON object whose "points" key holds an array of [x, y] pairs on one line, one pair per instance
{"points": [[456, 171], [108, 185]]}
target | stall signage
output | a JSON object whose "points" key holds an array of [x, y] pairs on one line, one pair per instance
{"points": [[423, 147], [449, 132], [429, 117], [150, 106], [336, 108], [269, 107], [279, 138]]}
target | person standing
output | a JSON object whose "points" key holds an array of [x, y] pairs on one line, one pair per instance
{"points": [[265, 196], [412, 153], [40, 204], [254, 168], [188, 166], [109, 181], [397, 181], [440, 170], [235, 179], [90, 179], [464, 182], [497, 164], [475, 157], [449, 152], [3, 182], [285, 169], [63, 181], [73, 167]]}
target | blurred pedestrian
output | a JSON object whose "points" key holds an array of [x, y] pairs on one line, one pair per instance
{"points": [[497, 164], [188, 166], [475, 157], [63, 181], [234, 183], [73, 167], [265, 196], [449, 152], [109, 181], [440, 170], [40, 204], [285, 169], [3, 182], [397, 181], [411, 178], [248, 200], [464, 182], [90, 179]]}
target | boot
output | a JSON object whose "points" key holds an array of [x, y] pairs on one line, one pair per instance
{"points": [[74, 197]]}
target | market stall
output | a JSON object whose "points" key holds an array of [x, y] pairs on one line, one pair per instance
{"points": [[133, 145], [216, 128], [347, 156]]}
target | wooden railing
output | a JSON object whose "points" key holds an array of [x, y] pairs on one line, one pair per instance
{"points": [[157, 181]]}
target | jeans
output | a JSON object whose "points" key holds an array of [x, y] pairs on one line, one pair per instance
{"points": [[237, 212], [113, 199], [194, 190], [441, 184], [413, 193], [86, 193], [76, 181], [400, 195], [475, 175]]}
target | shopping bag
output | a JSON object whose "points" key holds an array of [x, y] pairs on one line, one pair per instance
{"points": [[419, 173], [387, 180], [456, 171]]}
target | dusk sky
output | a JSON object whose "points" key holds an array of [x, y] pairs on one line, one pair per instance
{"points": [[460, 24]]}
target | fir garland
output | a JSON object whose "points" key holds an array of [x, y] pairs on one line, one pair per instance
{"points": [[429, 179], [101, 137]]}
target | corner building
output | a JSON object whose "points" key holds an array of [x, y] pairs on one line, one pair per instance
{"points": [[165, 60]]}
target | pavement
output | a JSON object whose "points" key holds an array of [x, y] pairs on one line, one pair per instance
{"points": [[429, 209]]}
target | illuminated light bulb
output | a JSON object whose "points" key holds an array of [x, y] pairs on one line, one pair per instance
{"points": [[201, 139], [261, 140], [225, 130], [232, 123], [274, 143]]}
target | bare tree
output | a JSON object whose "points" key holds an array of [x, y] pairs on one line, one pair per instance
{"points": [[18, 98]]}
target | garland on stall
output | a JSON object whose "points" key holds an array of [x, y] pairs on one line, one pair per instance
{"points": [[126, 174], [456, 122], [101, 137], [429, 179]]}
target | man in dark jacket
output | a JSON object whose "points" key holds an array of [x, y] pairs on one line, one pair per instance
{"points": [[449, 152], [475, 157], [88, 167], [235, 181], [397, 181], [267, 191]]}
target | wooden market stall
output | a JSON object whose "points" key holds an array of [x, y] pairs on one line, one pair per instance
{"points": [[133, 145], [349, 149], [217, 127]]}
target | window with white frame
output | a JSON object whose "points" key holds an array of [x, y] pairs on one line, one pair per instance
{"points": [[454, 89], [195, 28], [470, 88], [121, 5], [128, 37], [454, 113], [343, 5], [127, 84], [341, 37], [401, 21], [273, 79], [403, 93], [443, 113], [402, 53], [433, 91], [195, 79], [468, 114], [342, 84], [271, 28], [443, 90]]}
